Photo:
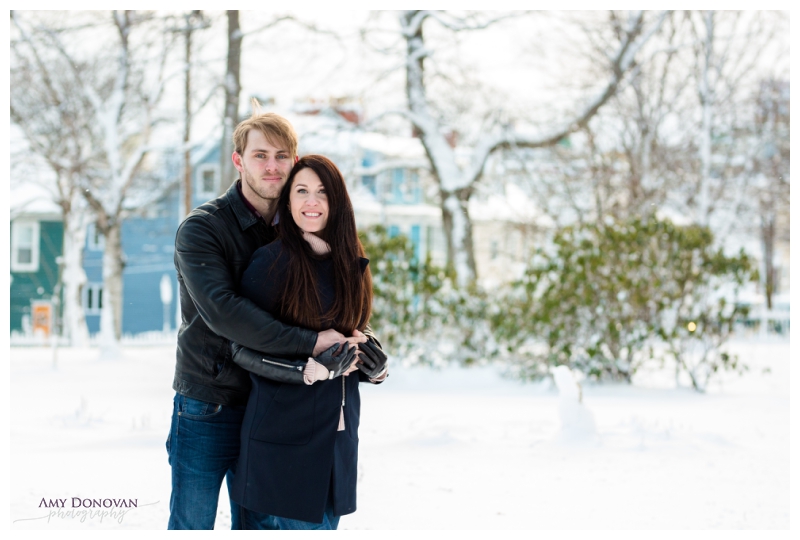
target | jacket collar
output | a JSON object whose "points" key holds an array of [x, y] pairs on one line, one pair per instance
{"points": [[243, 214]]}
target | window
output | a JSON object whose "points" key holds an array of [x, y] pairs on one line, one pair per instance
{"points": [[368, 181], [398, 184], [95, 241], [93, 298], [416, 240], [405, 187], [207, 180], [24, 246]]}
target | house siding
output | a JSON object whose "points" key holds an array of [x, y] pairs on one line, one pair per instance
{"points": [[38, 285]]}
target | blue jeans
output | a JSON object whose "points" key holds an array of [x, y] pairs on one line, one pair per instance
{"points": [[257, 521], [203, 448]]}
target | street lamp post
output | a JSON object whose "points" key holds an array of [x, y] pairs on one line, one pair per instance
{"points": [[166, 299]]}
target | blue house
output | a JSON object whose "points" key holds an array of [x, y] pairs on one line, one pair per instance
{"points": [[391, 186], [148, 240], [148, 243]]}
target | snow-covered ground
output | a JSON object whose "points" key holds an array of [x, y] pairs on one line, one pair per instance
{"points": [[450, 449]]}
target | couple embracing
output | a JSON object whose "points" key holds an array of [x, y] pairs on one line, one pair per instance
{"points": [[275, 296]]}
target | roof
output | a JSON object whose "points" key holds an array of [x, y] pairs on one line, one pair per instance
{"points": [[32, 199]]}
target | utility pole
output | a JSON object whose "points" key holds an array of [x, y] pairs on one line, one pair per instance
{"points": [[194, 20], [232, 89]]}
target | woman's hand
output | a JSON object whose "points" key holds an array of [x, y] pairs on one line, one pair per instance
{"points": [[337, 364], [355, 339], [353, 367], [372, 360]]}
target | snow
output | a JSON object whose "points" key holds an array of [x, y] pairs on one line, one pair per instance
{"points": [[454, 448], [33, 198], [577, 422], [513, 205], [408, 147]]}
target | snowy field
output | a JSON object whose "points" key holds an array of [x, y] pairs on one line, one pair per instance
{"points": [[450, 449]]}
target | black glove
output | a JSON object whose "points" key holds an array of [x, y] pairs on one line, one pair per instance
{"points": [[373, 360], [337, 365]]}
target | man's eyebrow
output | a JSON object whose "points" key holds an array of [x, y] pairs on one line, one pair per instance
{"points": [[259, 151]]}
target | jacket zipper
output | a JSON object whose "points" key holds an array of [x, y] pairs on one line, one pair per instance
{"points": [[341, 409], [298, 368]]}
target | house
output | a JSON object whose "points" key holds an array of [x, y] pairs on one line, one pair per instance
{"points": [[37, 234], [387, 175]]}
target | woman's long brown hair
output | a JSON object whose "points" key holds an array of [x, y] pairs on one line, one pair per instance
{"points": [[300, 302]]}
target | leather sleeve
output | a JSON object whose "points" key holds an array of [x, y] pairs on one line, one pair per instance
{"points": [[281, 369], [371, 336], [276, 369], [201, 261]]}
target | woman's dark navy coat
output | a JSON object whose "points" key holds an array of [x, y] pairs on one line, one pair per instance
{"points": [[291, 450]]}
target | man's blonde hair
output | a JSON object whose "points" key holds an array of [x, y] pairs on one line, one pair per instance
{"points": [[277, 129]]}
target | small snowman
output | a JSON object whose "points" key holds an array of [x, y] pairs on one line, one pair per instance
{"points": [[577, 422]]}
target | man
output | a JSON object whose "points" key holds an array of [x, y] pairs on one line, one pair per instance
{"points": [[213, 246]]}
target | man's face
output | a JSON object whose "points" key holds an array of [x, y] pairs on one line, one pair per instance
{"points": [[264, 169]]}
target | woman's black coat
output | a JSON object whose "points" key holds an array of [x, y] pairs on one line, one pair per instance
{"points": [[291, 450]]}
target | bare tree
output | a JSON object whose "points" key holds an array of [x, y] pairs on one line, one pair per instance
{"points": [[771, 170], [742, 161], [116, 91], [630, 156], [232, 82], [457, 174], [233, 88], [48, 111], [727, 48], [678, 139], [191, 22]]}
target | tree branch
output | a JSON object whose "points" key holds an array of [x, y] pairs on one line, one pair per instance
{"points": [[621, 62]]}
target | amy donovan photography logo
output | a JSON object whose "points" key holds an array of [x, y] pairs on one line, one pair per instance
{"points": [[82, 508]]}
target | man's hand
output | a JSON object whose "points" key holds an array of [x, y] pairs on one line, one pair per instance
{"points": [[325, 340], [357, 338]]}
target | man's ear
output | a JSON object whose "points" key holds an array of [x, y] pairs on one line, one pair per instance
{"points": [[237, 160], [296, 159]]}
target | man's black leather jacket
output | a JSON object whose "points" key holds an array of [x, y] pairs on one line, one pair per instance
{"points": [[213, 247]]}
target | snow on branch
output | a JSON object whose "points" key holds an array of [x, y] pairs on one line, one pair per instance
{"points": [[411, 21], [621, 63], [458, 24]]}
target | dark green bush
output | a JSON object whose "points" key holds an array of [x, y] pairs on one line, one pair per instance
{"points": [[607, 297]]}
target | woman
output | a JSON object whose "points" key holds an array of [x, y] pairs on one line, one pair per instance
{"points": [[299, 446]]}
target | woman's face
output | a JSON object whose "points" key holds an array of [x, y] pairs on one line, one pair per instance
{"points": [[308, 201]]}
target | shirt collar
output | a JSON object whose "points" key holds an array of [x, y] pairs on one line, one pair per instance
{"points": [[245, 201], [252, 208]]}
